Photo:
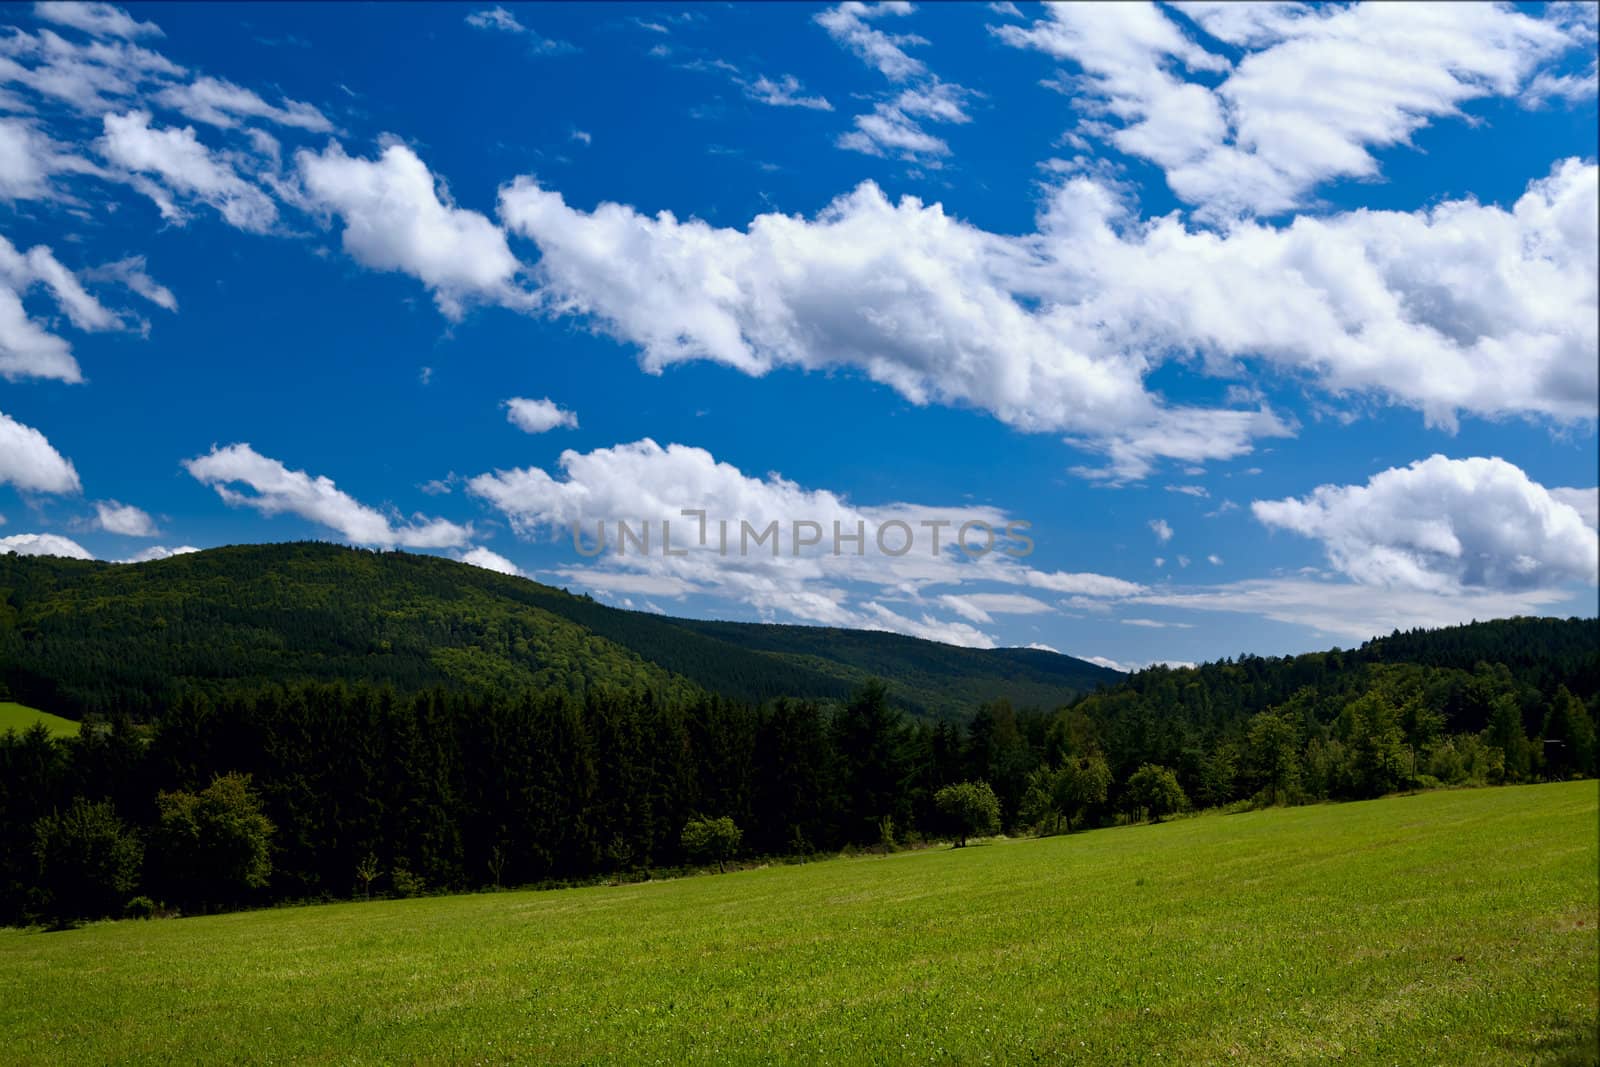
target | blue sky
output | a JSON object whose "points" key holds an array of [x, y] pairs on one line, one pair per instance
{"points": [[1197, 291]]}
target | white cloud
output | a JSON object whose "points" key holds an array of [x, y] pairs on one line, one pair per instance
{"points": [[849, 24], [124, 519], [1315, 90], [785, 92], [490, 561], [499, 19], [155, 552], [793, 573], [28, 462], [184, 167], [277, 489], [222, 103], [398, 217], [131, 273], [101, 20], [30, 160], [495, 18], [1157, 624], [538, 416], [29, 544], [1443, 526], [1347, 610], [1214, 559], [1586, 502], [92, 78], [27, 349], [982, 607], [1161, 529], [924, 303]]}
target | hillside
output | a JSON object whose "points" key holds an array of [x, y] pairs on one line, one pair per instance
{"points": [[80, 637]]}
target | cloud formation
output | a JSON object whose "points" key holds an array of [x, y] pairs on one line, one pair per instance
{"points": [[1443, 526], [275, 489]]}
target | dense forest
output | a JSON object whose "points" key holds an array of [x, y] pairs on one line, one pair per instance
{"points": [[81, 638], [214, 797]]}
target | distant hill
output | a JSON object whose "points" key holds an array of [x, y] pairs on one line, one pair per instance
{"points": [[78, 637]]}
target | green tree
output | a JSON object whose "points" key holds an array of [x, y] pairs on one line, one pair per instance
{"points": [[1154, 789], [1272, 757], [971, 807], [711, 840], [1569, 742], [214, 846], [88, 860], [1381, 760], [1082, 786]]}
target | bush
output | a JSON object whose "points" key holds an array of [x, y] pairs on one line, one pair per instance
{"points": [[213, 847], [971, 807], [711, 840], [88, 860], [1154, 789], [141, 907]]}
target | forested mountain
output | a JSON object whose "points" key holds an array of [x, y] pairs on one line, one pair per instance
{"points": [[80, 638], [301, 721]]}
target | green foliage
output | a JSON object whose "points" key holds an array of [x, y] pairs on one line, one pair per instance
{"points": [[711, 840], [212, 848], [971, 808], [88, 860], [1154, 790]]}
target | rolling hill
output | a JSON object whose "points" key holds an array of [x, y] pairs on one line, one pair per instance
{"points": [[80, 637]]}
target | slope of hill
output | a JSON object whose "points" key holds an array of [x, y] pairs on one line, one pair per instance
{"points": [[80, 637], [19, 717]]}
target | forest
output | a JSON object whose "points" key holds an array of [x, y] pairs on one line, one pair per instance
{"points": [[322, 790]]}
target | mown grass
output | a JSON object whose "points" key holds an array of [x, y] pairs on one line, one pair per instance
{"points": [[1449, 927], [19, 717]]}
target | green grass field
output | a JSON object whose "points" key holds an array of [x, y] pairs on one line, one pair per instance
{"points": [[1449, 927], [19, 717]]}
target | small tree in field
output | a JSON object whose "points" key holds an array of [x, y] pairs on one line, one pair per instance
{"points": [[88, 860], [214, 846], [1155, 789], [971, 807], [711, 840]]}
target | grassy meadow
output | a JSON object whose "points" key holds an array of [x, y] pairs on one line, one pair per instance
{"points": [[1447, 927], [19, 717]]}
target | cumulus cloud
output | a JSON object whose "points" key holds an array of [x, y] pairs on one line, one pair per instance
{"points": [[398, 217], [1160, 528], [1462, 307], [183, 167], [275, 489], [538, 416], [1316, 89], [30, 463], [1585, 502], [101, 20], [33, 544], [124, 519], [1445, 525], [490, 561], [155, 552], [789, 572], [27, 348], [92, 78]]}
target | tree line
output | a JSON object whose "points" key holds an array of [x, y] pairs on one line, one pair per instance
{"points": [[323, 791]]}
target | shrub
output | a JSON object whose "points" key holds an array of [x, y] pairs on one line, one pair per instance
{"points": [[711, 840], [88, 860], [971, 807]]}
